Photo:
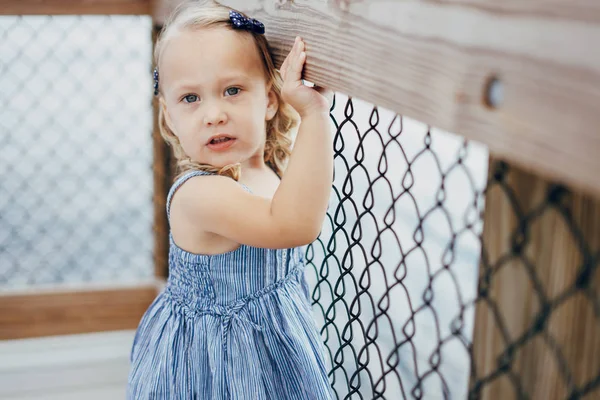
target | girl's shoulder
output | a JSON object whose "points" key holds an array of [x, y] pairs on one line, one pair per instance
{"points": [[179, 183], [201, 204]]}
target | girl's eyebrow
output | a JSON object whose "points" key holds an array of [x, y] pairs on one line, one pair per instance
{"points": [[188, 86], [234, 77], [184, 87]]}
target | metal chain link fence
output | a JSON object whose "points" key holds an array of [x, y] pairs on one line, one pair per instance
{"points": [[395, 270], [548, 259], [75, 150]]}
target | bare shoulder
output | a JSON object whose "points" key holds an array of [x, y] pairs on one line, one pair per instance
{"points": [[205, 190], [194, 198], [217, 206]]}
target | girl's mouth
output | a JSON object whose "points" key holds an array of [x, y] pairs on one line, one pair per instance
{"points": [[220, 142]]}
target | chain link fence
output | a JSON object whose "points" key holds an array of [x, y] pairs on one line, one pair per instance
{"points": [[397, 259], [75, 150], [395, 271], [547, 260]]}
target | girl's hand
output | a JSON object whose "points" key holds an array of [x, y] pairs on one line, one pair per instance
{"points": [[304, 99]]}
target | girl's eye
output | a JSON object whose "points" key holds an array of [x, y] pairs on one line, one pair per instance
{"points": [[190, 98], [232, 91]]}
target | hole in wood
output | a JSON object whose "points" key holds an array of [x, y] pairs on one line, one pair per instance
{"points": [[494, 92]]}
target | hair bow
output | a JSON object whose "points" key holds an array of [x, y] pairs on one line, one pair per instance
{"points": [[250, 24]]}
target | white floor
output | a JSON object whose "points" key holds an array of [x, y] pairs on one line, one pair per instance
{"points": [[91, 366]]}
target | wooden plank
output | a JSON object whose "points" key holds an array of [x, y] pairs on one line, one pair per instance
{"points": [[570, 335], [65, 312], [74, 7], [433, 61]]}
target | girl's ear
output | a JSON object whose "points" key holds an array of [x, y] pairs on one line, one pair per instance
{"points": [[272, 105], [165, 112]]}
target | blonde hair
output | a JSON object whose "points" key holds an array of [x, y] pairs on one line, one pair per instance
{"points": [[198, 15]]}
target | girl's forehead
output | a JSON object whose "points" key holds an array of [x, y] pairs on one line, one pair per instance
{"points": [[209, 53]]}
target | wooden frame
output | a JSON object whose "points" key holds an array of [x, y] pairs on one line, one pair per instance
{"points": [[69, 311], [63, 311], [73, 7]]}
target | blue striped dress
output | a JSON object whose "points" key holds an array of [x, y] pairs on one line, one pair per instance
{"points": [[233, 326]]}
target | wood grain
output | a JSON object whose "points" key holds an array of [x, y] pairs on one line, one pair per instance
{"points": [[581, 10], [73, 311], [73, 7], [571, 333], [432, 61]]}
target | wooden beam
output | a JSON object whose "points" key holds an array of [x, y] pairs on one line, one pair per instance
{"points": [[62, 312], [160, 10], [434, 61], [74, 7], [537, 333]]}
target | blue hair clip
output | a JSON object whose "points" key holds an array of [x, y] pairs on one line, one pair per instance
{"points": [[155, 76], [250, 24]]}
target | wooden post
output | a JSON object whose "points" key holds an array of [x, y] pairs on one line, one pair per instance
{"points": [[537, 323], [162, 174]]}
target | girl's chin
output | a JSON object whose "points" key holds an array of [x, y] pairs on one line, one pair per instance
{"points": [[221, 164]]}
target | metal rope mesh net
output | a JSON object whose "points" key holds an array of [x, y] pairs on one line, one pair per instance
{"points": [[75, 122], [396, 270]]}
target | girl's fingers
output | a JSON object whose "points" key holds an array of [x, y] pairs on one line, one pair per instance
{"points": [[283, 71], [297, 63], [291, 62], [284, 66]]}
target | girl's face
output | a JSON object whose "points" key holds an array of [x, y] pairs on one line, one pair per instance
{"points": [[213, 86]]}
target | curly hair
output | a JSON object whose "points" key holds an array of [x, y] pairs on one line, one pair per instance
{"points": [[198, 15]]}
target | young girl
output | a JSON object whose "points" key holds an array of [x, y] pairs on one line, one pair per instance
{"points": [[234, 320]]}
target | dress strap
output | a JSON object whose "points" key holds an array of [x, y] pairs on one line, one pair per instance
{"points": [[182, 179]]}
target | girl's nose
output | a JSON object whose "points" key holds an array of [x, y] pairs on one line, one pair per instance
{"points": [[215, 115]]}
